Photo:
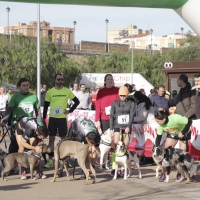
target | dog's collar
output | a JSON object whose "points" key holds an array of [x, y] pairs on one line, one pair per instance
{"points": [[106, 143], [122, 153], [31, 153]]}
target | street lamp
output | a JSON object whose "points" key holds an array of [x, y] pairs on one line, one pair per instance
{"points": [[106, 29], [74, 22], [182, 29], [8, 10], [151, 31]]}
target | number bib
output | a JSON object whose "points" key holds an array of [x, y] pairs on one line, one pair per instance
{"points": [[57, 111], [107, 110], [123, 119]]}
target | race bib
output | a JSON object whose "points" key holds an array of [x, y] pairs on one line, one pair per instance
{"points": [[27, 108], [57, 111], [123, 119], [107, 110]]}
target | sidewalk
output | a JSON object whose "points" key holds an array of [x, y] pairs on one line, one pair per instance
{"points": [[104, 189]]}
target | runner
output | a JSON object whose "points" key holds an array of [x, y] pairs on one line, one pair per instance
{"points": [[57, 98]]}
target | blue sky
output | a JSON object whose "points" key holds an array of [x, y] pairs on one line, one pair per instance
{"points": [[91, 20]]}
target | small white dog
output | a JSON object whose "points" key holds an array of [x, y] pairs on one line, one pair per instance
{"points": [[105, 146], [124, 157]]}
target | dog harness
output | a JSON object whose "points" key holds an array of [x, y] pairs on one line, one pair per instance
{"points": [[107, 144], [122, 154], [30, 153]]}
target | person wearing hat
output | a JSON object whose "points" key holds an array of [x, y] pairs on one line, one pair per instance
{"points": [[121, 118]]}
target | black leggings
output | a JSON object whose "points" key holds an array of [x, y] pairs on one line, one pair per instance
{"points": [[105, 125]]}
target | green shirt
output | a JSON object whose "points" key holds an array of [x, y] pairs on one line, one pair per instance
{"points": [[174, 126], [23, 104], [58, 101]]}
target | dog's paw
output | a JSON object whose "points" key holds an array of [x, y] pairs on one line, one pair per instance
{"points": [[140, 177], [52, 181], [5, 179], [93, 181], [68, 178], [86, 183], [125, 179], [34, 179], [114, 178]]}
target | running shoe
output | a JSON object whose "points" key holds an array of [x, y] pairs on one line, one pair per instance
{"points": [[162, 177], [41, 175], [48, 164], [23, 176]]}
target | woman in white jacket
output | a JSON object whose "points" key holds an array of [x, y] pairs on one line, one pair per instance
{"points": [[144, 109]]}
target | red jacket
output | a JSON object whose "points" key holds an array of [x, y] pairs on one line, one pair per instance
{"points": [[105, 98]]}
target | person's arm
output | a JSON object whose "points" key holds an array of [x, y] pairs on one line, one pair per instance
{"points": [[191, 110], [143, 112], [132, 113], [158, 140], [112, 113], [187, 127], [46, 105], [8, 115], [76, 103], [195, 87], [89, 102]]}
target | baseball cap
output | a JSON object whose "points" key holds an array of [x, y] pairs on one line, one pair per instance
{"points": [[123, 90]]}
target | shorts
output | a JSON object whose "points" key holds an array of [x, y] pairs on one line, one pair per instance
{"points": [[185, 138], [105, 125], [118, 130], [57, 125]]}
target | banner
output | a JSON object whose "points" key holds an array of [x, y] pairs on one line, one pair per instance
{"points": [[143, 135]]}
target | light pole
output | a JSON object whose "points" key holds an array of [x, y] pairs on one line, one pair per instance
{"points": [[74, 22], [106, 29], [182, 29], [8, 10], [132, 61], [151, 31]]}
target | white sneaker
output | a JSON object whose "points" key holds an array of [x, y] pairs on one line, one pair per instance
{"points": [[23, 177]]}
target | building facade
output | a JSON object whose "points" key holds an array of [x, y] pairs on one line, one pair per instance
{"points": [[62, 34]]}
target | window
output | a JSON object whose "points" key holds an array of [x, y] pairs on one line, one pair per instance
{"points": [[57, 32], [170, 45]]}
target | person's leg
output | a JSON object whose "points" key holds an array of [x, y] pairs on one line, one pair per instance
{"points": [[116, 140], [52, 126], [126, 138], [13, 147]]}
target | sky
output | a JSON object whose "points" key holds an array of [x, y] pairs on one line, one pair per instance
{"points": [[90, 20]]}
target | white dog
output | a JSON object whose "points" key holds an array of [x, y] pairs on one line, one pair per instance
{"points": [[124, 157], [105, 146]]}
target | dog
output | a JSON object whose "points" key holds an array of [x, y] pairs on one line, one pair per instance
{"points": [[11, 160], [2, 156], [105, 146], [125, 157], [66, 148], [171, 157]]}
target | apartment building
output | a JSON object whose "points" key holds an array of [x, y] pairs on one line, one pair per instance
{"points": [[46, 31], [120, 33]]}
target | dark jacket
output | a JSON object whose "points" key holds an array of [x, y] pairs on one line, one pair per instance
{"points": [[159, 102], [185, 102], [120, 108], [197, 104]]}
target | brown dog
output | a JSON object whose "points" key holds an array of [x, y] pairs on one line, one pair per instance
{"points": [[13, 159], [72, 148]]}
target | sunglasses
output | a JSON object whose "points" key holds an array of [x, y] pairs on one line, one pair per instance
{"points": [[122, 95], [60, 79]]}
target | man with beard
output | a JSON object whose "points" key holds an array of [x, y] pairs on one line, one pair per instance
{"points": [[57, 98]]}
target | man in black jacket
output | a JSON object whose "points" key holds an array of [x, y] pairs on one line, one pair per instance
{"points": [[185, 100], [197, 94]]}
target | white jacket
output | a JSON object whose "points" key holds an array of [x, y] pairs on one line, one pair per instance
{"points": [[144, 116]]}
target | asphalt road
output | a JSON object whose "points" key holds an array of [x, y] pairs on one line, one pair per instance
{"points": [[134, 188]]}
